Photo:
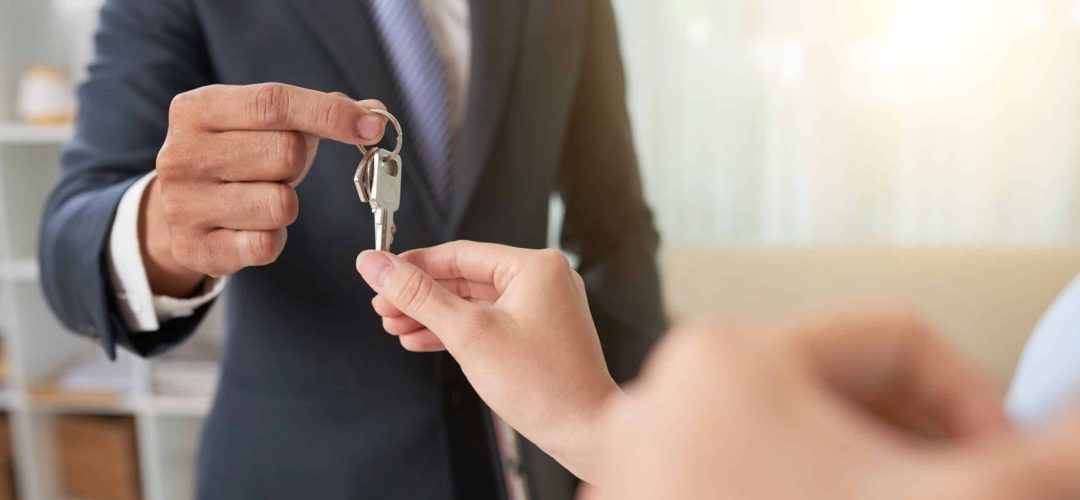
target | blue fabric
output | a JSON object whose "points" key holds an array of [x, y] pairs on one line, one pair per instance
{"points": [[1047, 381], [421, 78]]}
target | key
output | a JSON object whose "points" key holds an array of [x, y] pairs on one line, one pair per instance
{"points": [[378, 183], [385, 197], [362, 179]]}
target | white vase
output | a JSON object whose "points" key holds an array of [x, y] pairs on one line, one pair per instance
{"points": [[45, 97]]}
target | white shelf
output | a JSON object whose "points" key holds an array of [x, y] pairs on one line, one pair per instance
{"points": [[37, 347], [21, 133], [180, 406], [124, 408], [19, 270], [50, 397]]}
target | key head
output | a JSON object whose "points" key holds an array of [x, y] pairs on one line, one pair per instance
{"points": [[386, 182]]}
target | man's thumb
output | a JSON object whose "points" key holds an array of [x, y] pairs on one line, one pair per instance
{"points": [[412, 291]]}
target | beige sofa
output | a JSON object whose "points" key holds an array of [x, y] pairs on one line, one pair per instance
{"points": [[985, 300]]}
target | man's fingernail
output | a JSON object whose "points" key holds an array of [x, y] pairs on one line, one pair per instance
{"points": [[373, 266], [370, 127]]}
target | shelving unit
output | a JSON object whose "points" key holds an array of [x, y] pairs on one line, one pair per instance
{"points": [[20, 133], [19, 270], [37, 346]]}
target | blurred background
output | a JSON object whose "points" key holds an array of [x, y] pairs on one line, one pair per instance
{"points": [[881, 121], [798, 154]]}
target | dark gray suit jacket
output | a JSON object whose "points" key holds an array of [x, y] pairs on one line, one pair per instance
{"points": [[315, 401]]}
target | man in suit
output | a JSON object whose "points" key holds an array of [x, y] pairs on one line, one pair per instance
{"points": [[503, 102]]}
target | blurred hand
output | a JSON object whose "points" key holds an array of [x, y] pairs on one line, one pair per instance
{"points": [[518, 324], [224, 192], [796, 412]]}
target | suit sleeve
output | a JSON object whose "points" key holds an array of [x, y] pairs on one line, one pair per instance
{"points": [[147, 51], [607, 223]]}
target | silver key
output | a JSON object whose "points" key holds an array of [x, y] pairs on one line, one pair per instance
{"points": [[363, 175], [378, 183], [385, 197]]}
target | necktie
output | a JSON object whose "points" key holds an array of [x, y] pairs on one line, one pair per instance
{"points": [[421, 78]]}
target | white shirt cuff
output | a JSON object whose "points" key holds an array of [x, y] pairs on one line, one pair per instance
{"points": [[141, 310]]}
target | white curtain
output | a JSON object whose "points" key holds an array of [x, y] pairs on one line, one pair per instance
{"points": [[858, 121]]}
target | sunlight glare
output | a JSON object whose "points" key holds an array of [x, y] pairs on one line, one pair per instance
{"points": [[791, 69], [1033, 18], [698, 33], [931, 23], [782, 59]]}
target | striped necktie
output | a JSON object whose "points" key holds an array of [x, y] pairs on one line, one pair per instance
{"points": [[421, 78]]}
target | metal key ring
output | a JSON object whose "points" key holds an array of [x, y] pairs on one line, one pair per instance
{"points": [[397, 128]]}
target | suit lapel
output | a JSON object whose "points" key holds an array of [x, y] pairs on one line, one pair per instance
{"points": [[347, 31], [496, 33]]}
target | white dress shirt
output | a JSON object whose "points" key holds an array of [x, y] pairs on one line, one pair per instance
{"points": [[141, 309]]}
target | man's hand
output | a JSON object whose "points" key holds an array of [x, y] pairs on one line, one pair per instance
{"points": [[224, 192], [518, 324], [795, 412]]}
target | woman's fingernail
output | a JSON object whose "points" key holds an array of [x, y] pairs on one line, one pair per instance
{"points": [[373, 266], [370, 126]]}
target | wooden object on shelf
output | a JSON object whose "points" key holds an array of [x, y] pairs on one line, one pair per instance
{"points": [[98, 457], [50, 394], [7, 461]]}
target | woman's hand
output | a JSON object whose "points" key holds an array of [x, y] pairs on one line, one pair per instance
{"points": [[864, 405], [518, 324]]}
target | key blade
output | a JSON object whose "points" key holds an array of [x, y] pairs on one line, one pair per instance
{"points": [[384, 229]]}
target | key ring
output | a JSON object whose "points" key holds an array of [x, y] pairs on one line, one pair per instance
{"points": [[397, 128]]}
